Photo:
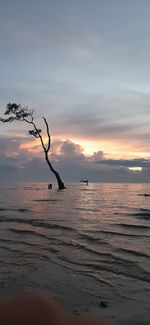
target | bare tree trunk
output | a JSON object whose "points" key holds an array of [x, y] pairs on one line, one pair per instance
{"points": [[24, 114], [61, 185]]}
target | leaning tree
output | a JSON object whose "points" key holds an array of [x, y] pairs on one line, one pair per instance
{"points": [[20, 113]]}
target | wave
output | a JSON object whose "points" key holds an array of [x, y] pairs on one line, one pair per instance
{"points": [[107, 261], [141, 213], [10, 249], [47, 200], [85, 269], [30, 232], [34, 188], [133, 252], [96, 240], [88, 189], [87, 209], [94, 251], [50, 225], [116, 233], [113, 264], [135, 226], [16, 210], [145, 215], [88, 237], [129, 269], [25, 243], [17, 242], [52, 239], [23, 231], [37, 223], [144, 194], [25, 261]]}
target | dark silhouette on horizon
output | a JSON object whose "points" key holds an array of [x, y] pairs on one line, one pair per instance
{"points": [[84, 181]]}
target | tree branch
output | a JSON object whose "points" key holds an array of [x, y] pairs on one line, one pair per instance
{"points": [[37, 133], [20, 113], [48, 134], [9, 119]]}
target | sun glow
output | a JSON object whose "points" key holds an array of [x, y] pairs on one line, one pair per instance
{"points": [[31, 146], [89, 147], [110, 149], [135, 169]]}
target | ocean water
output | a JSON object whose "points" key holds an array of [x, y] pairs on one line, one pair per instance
{"points": [[99, 234]]}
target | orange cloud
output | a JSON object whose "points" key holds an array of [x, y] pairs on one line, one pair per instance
{"points": [[120, 149]]}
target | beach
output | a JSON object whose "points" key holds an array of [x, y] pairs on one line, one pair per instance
{"points": [[74, 294], [87, 248]]}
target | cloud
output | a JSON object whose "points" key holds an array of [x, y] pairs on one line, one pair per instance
{"points": [[97, 156], [9, 147], [144, 163], [13, 156], [127, 133], [19, 164], [71, 150]]}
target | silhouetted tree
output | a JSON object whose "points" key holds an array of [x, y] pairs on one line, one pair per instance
{"points": [[17, 112]]}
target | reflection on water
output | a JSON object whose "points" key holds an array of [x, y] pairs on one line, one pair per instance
{"points": [[101, 231]]}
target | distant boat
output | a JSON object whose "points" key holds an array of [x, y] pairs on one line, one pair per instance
{"points": [[84, 181]]}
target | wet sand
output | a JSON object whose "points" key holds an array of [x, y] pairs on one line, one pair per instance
{"points": [[80, 295]]}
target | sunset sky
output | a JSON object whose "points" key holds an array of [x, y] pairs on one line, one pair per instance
{"points": [[85, 66]]}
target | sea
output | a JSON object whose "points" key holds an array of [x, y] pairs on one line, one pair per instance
{"points": [[80, 243]]}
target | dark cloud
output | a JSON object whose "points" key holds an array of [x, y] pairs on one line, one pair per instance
{"points": [[68, 158], [97, 156], [92, 126], [144, 163], [10, 147]]}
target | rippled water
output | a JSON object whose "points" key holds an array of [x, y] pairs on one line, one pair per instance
{"points": [[101, 231]]}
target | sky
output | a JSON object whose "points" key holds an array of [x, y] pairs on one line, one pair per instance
{"points": [[85, 66]]}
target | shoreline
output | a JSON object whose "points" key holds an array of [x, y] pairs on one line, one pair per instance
{"points": [[82, 295]]}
